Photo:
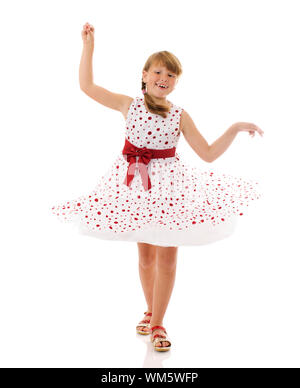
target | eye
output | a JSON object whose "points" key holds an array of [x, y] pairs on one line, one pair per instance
{"points": [[169, 74]]}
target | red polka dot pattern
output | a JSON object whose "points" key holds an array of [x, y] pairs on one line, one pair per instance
{"points": [[182, 197]]}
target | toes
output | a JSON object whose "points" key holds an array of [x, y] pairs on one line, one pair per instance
{"points": [[142, 328], [164, 344]]}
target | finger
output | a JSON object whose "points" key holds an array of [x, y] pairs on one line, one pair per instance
{"points": [[256, 128], [260, 131]]}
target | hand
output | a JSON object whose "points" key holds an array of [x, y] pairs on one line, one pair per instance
{"points": [[87, 35], [251, 128]]}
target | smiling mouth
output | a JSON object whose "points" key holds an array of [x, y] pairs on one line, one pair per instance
{"points": [[161, 87]]}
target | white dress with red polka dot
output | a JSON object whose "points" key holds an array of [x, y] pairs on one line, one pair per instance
{"points": [[184, 206]]}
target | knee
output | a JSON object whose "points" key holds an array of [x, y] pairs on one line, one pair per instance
{"points": [[147, 261], [167, 260]]}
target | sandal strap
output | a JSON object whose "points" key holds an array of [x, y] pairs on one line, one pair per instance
{"points": [[143, 324], [145, 321], [159, 336], [148, 314], [158, 327]]}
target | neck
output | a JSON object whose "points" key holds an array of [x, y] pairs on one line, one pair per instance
{"points": [[159, 100]]}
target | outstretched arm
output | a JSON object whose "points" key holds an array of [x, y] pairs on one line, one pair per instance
{"points": [[207, 152], [219, 146]]}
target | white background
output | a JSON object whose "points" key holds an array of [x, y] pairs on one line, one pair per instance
{"points": [[74, 301]]}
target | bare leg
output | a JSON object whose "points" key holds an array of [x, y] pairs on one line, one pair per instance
{"points": [[163, 285], [147, 270]]}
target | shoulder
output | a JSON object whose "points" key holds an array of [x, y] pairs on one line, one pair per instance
{"points": [[126, 104]]}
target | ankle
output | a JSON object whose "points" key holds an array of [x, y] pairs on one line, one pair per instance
{"points": [[156, 324]]}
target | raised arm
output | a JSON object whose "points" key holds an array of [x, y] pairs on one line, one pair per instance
{"points": [[103, 96]]}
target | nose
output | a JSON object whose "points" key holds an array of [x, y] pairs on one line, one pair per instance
{"points": [[163, 77], [163, 81]]}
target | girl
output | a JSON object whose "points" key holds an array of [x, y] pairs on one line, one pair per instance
{"points": [[149, 195]]}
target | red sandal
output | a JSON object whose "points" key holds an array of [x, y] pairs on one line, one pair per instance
{"points": [[144, 323], [159, 338]]}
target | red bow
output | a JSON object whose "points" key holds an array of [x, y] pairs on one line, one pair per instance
{"points": [[145, 155]]}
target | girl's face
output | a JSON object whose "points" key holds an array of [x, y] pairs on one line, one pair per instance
{"points": [[159, 75]]}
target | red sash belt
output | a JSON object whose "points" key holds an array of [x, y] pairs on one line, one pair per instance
{"points": [[145, 155]]}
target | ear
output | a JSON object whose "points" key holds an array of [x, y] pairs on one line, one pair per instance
{"points": [[144, 75]]}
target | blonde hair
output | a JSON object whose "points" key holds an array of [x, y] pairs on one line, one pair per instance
{"points": [[171, 62]]}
